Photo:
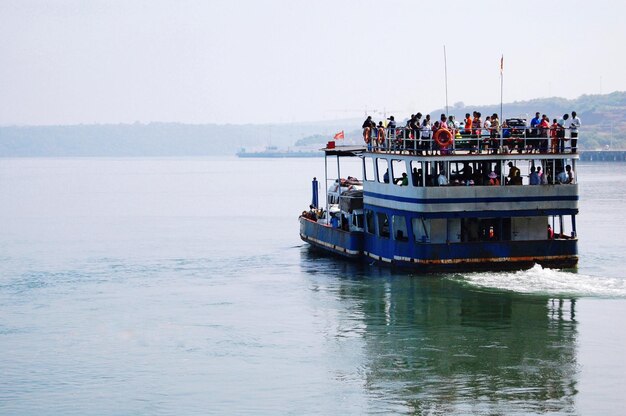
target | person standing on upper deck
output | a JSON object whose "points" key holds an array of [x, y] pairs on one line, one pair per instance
{"points": [[368, 123], [533, 125], [443, 123], [391, 131], [554, 140], [415, 127], [574, 126], [468, 124], [477, 123], [368, 126], [560, 132], [426, 133], [544, 129]]}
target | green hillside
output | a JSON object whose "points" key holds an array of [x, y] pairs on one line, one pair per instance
{"points": [[603, 124], [603, 116]]}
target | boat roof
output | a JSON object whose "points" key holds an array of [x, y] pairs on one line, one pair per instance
{"points": [[344, 150]]}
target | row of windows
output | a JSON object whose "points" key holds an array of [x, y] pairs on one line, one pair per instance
{"points": [[422, 173], [443, 230]]}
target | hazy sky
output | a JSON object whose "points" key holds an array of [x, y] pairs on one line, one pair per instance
{"points": [[92, 61]]}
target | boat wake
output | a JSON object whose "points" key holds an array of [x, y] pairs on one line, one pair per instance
{"points": [[538, 280]]}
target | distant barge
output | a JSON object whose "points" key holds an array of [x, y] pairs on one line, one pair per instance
{"points": [[274, 152]]}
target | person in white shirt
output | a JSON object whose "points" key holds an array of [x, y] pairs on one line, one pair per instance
{"points": [[574, 126], [560, 132], [571, 178], [426, 134], [442, 180]]}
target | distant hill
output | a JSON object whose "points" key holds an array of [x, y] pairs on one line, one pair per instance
{"points": [[155, 139], [603, 115], [603, 118]]}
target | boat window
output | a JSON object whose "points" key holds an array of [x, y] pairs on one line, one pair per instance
{"points": [[383, 224], [488, 229], [453, 230], [383, 170], [369, 219], [398, 168], [417, 177], [357, 220], [368, 163], [469, 229], [398, 223], [421, 230]]}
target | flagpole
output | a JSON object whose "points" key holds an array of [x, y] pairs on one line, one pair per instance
{"points": [[501, 86], [445, 66]]}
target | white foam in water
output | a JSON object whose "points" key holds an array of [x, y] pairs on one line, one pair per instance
{"points": [[550, 281]]}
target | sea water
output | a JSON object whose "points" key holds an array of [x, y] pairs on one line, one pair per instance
{"points": [[180, 286]]}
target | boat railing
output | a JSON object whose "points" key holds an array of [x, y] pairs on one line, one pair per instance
{"points": [[500, 140]]}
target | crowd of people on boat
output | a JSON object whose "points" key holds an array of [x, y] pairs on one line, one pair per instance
{"points": [[444, 136], [485, 174]]}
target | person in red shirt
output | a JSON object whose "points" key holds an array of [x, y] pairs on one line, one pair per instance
{"points": [[553, 136]]}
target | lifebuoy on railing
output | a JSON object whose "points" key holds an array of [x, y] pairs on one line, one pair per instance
{"points": [[367, 134], [443, 138], [381, 135]]}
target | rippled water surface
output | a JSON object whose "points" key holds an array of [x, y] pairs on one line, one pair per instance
{"points": [[180, 286]]}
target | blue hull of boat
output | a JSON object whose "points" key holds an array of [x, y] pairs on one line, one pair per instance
{"points": [[467, 256], [334, 240]]}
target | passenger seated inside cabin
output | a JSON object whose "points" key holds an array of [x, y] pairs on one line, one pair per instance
{"points": [[566, 177], [386, 176], [467, 172], [543, 177], [416, 177], [344, 223], [493, 179], [404, 180], [442, 180], [533, 177], [514, 177], [400, 236]]}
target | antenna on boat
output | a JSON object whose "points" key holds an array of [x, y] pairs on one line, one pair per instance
{"points": [[445, 67], [501, 84]]}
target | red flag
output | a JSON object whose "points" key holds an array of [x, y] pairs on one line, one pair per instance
{"points": [[339, 136]]}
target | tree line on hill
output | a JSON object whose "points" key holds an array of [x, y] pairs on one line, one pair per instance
{"points": [[603, 118]]}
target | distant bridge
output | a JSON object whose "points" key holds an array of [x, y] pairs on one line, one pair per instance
{"points": [[603, 155]]}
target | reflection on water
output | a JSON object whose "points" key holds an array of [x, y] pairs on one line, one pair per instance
{"points": [[436, 345]]}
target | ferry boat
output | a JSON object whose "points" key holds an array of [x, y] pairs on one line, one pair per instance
{"points": [[454, 202]]}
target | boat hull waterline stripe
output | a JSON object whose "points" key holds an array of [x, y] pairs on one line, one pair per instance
{"points": [[471, 260], [331, 246]]}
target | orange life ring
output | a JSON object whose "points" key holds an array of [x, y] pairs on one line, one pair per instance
{"points": [[444, 141], [381, 135], [367, 134]]}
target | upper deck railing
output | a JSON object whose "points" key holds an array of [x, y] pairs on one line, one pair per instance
{"points": [[445, 141]]}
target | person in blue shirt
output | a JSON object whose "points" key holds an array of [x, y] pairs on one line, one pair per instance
{"points": [[533, 125], [533, 177]]}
